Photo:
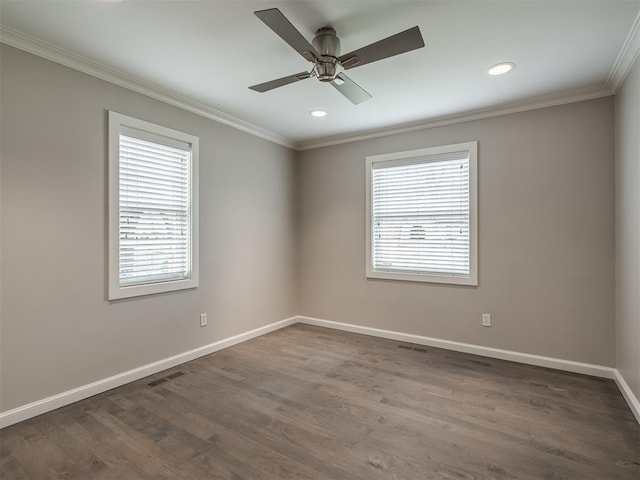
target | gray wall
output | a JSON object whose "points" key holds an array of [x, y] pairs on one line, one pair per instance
{"points": [[280, 237], [57, 330], [546, 237], [628, 230]]}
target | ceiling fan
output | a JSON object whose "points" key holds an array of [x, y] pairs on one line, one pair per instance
{"points": [[324, 53]]}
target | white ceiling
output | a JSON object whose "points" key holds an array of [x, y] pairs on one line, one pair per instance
{"points": [[211, 51]]}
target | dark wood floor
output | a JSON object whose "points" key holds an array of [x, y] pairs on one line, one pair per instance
{"points": [[311, 403]]}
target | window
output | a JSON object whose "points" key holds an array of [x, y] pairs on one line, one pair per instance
{"points": [[153, 209], [422, 215]]}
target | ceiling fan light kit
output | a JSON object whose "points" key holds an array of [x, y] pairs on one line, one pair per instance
{"points": [[324, 52], [327, 44]]}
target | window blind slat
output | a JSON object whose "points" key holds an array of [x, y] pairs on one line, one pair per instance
{"points": [[420, 217], [154, 211]]}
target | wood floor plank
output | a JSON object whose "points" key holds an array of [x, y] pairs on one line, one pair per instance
{"points": [[308, 403], [446, 402], [229, 435]]}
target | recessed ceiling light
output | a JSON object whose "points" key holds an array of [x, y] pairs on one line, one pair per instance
{"points": [[318, 113], [501, 68]]}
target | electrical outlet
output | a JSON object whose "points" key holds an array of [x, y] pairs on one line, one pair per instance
{"points": [[203, 319], [486, 320]]}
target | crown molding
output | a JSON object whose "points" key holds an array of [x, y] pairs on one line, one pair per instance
{"points": [[622, 65], [531, 104], [626, 58], [48, 51]]}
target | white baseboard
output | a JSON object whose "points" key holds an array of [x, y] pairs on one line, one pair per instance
{"points": [[628, 395], [53, 402], [39, 407], [539, 360], [558, 364]]}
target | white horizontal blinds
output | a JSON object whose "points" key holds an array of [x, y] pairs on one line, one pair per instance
{"points": [[420, 215], [154, 210]]}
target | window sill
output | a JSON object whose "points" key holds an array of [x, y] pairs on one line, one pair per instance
{"points": [[471, 280], [117, 292]]}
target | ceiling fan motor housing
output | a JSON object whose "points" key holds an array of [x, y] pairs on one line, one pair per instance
{"points": [[327, 44]]}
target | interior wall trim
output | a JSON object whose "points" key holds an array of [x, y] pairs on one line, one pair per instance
{"points": [[64, 57], [626, 58], [553, 100], [627, 393], [530, 359], [527, 358], [53, 402]]}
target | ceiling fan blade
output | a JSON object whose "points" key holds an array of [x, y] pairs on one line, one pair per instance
{"points": [[388, 47], [350, 89], [263, 87], [276, 21]]}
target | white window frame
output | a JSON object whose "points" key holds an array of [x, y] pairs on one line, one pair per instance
{"points": [[425, 153], [119, 123]]}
